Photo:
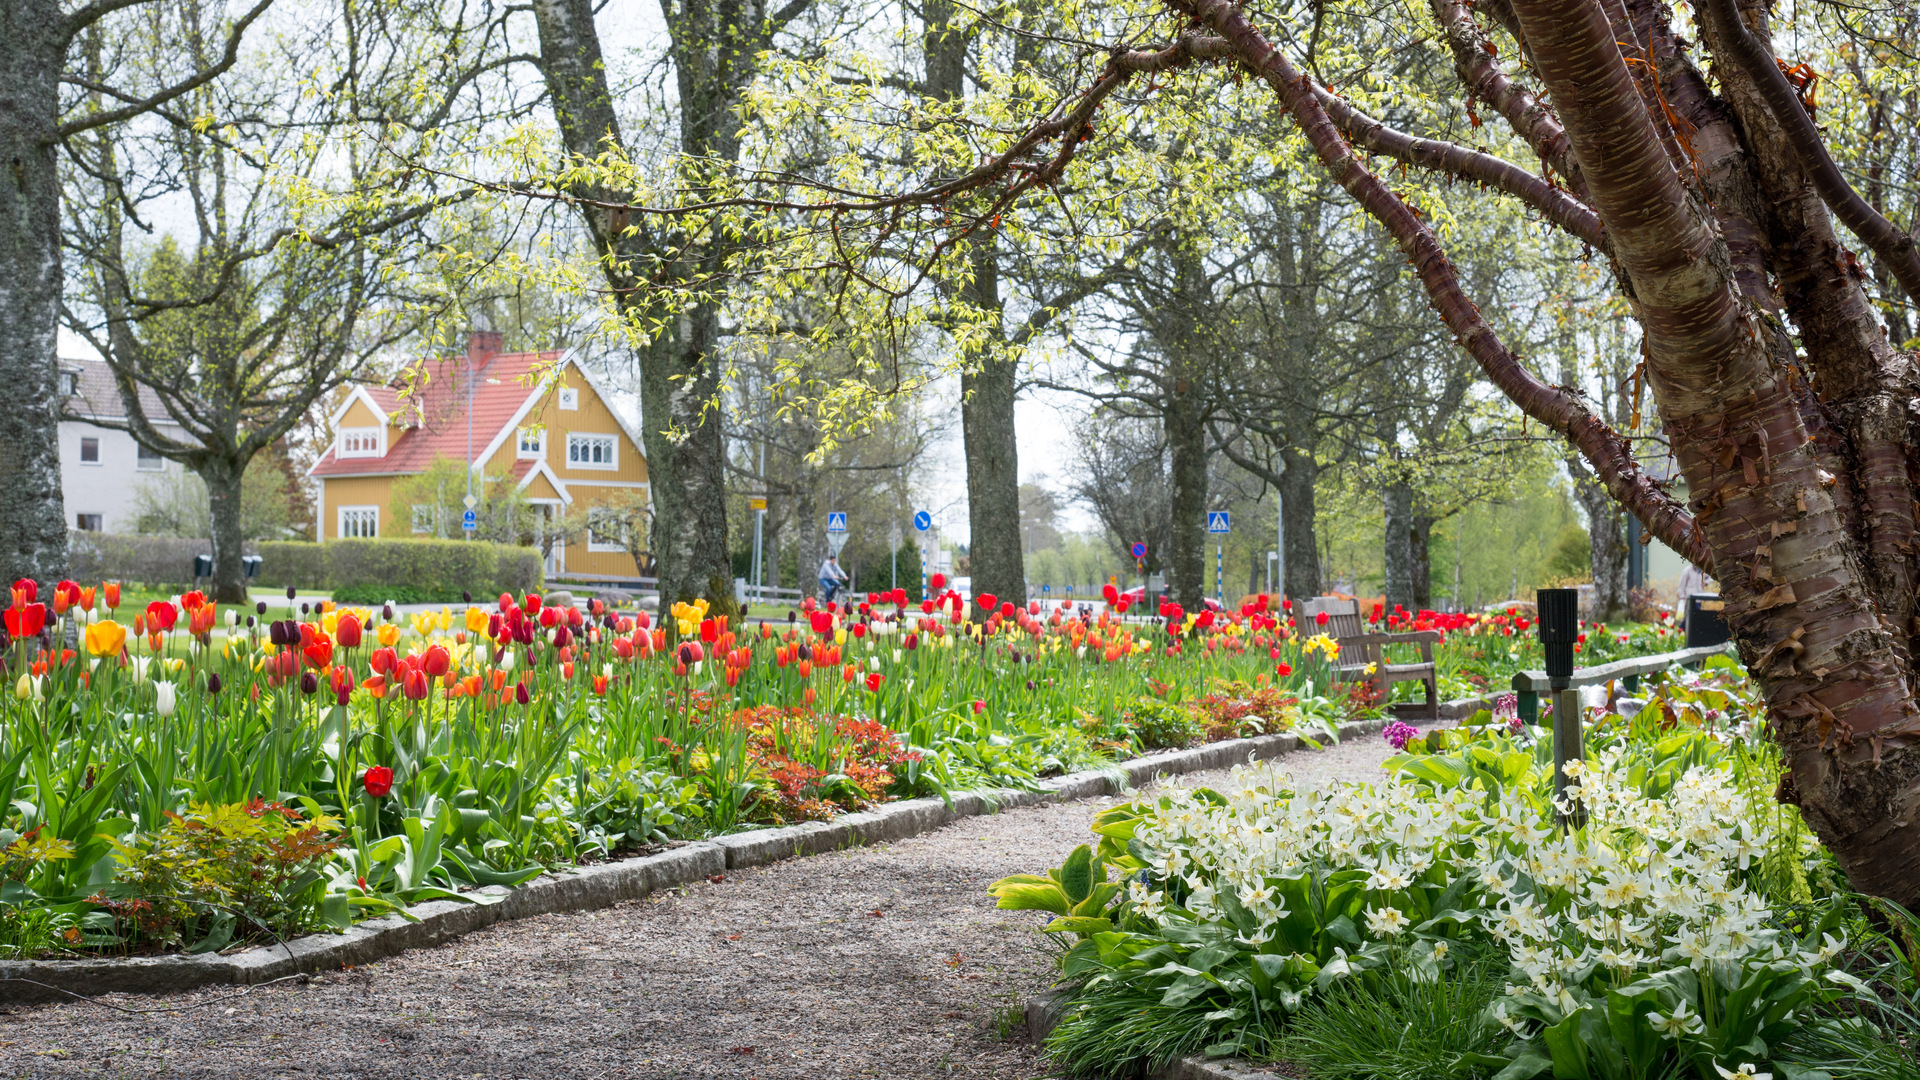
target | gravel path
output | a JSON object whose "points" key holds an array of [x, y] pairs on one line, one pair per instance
{"points": [[888, 961]]}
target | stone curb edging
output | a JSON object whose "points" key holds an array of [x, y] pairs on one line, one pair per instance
{"points": [[1044, 1011], [604, 884]]}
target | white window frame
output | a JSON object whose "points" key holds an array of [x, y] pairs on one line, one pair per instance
{"points": [[596, 545], [361, 442], [425, 519], [69, 384], [570, 399], [142, 463], [84, 440], [588, 438], [359, 516], [538, 451]]}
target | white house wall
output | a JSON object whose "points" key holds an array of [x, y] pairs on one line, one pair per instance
{"points": [[107, 488]]}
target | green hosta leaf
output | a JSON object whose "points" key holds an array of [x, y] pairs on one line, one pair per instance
{"points": [[1078, 924], [1048, 897], [1077, 875]]}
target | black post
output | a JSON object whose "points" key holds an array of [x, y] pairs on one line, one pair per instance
{"points": [[1559, 625]]}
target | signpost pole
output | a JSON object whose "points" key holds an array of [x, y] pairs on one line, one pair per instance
{"points": [[1219, 568]]}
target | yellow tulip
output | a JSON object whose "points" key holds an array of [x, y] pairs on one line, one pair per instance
{"points": [[476, 620], [24, 689], [106, 638], [330, 622], [423, 623], [840, 636], [387, 634]]}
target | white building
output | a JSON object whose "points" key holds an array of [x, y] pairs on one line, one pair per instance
{"points": [[101, 470]]}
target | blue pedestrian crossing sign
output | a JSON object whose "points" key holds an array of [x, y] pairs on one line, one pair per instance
{"points": [[1139, 551], [1217, 521], [469, 520], [837, 521], [923, 521]]}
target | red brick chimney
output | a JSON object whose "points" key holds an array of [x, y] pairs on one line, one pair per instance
{"points": [[482, 346]]}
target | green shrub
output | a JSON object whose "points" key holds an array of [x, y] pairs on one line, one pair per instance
{"points": [[1392, 1026], [443, 568], [217, 874], [404, 571], [1163, 725], [299, 563], [160, 561]]}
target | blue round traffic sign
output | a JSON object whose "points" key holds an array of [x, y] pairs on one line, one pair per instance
{"points": [[1139, 551], [469, 520], [923, 521]]}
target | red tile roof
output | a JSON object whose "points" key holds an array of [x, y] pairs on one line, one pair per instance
{"points": [[429, 419]]}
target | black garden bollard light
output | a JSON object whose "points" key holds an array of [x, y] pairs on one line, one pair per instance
{"points": [[1559, 625]]}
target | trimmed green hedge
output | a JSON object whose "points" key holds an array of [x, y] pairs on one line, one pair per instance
{"points": [[406, 571], [356, 571]]}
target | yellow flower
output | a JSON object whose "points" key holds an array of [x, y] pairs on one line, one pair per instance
{"points": [[840, 636], [330, 622], [444, 620], [423, 622], [476, 620], [106, 638], [388, 634]]}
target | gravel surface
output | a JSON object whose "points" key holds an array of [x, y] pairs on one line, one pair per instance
{"points": [[888, 961]]}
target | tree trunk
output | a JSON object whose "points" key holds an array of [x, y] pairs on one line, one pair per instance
{"points": [[1186, 432], [1397, 501], [1420, 543], [223, 480], [1607, 540], [678, 378], [33, 536], [1302, 539], [995, 555]]}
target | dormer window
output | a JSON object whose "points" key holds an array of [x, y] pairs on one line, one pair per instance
{"points": [[361, 442], [533, 443], [69, 384]]}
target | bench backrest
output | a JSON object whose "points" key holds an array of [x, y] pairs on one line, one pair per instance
{"points": [[1343, 617]]}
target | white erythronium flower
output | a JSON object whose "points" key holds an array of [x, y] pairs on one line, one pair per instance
{"points": [[1386, 922], [1682, 1021], [1746, 1071]]}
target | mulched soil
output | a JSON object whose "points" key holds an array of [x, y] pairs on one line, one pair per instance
{"points": [[877, 962]]}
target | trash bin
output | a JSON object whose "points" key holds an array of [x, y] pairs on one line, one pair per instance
{"points": [[1706, 620]]}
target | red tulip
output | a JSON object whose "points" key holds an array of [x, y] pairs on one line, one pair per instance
{"points": [[623, 648], [874, 679], [979, 706], [1283, 670], [161, 616], [436, 661], [193, 601], [1006, 609], [939, 582], [319, 652], [383, 661], [26, 588], [113, 594], [416, 684], [531, 604], [1321, 618], [709, 630], [346, 632], [378, 780], [26, 620], [987, 601]]}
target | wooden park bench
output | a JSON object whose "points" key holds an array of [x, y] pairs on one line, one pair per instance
{"points": [[1361, 650]]}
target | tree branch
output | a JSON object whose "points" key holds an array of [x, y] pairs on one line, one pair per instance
{"points": [[1475, 64], [1558, 408], [1561, 208], [161, 97], [1894, 245]]}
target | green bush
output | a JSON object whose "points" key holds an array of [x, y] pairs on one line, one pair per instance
{"points": [[404, 571], [159, 561], [299, 563]]}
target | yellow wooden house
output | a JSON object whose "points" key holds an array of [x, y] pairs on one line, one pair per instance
{"points": [[537, 419]]}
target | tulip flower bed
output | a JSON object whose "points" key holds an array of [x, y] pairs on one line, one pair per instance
{"points": [[1440, 924], [188, 776]]}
